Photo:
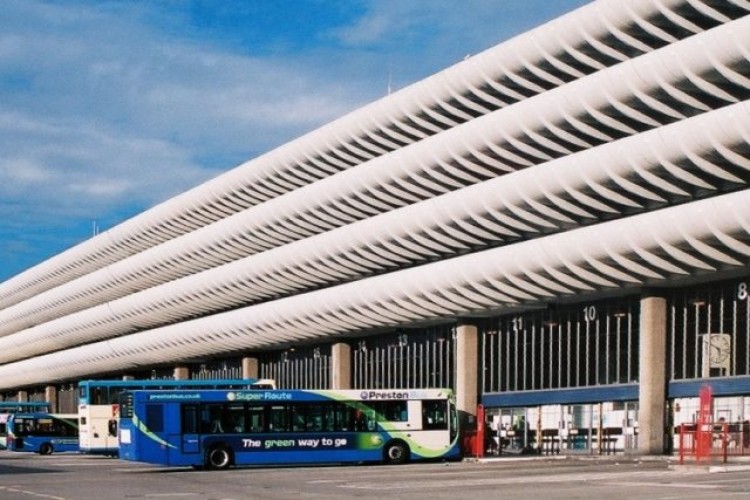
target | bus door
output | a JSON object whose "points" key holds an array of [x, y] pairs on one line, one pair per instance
{"points": [[110, 439], [191, 419], [155, 424]]}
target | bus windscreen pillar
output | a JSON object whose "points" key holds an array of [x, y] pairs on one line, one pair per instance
{"points": [[652, 375]]}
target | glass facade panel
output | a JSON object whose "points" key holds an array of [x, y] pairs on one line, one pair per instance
{"points": [[565, 347], [709, 331], [406, 360]]}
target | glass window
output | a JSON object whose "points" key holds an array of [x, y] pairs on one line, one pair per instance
{"points": [[389, 411], [190, 420], [155, 417], [236, 418], [114, 394], [218, 418], [279, 419], [434, 414], [256, 419], [98, 396]]}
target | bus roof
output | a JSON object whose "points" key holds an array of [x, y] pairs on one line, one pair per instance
{"points": [[280, 395], [159, 383]]}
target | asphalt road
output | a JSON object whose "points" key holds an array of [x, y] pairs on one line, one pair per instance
{"points": [[70, 476]]}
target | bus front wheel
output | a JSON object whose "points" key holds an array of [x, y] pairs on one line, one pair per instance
{"points": [[218, 457], [46, 449], [396, 452]]}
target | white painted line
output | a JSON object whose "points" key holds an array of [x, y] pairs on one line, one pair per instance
{"points": [[30, 493], [165, 495]]}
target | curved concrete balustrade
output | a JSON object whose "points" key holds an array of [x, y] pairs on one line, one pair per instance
{"points": [[689, 77], [701, 156], [589, 39], [644, 250]]}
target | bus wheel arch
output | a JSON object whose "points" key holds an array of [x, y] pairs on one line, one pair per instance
{"points": [[219, 456], [46, 449], [396, 452]]}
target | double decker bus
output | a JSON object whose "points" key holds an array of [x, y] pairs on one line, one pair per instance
{"points": [[7, 408], [99, 411], [42, 433], [220, 428]]}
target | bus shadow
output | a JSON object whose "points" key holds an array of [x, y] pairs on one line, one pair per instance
{"points": [[260, 468], [18, 469]]}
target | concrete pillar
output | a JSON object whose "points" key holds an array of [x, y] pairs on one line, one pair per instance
{"points": [[181, 373], [50, 395], [128, 377], [652, 375], [22, 397], [341, 366], [250, 368], [467, 356]]}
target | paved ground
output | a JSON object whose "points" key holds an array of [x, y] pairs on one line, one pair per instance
{"points": [[64, 477]]}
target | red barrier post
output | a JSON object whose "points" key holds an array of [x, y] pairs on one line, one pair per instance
{"points": [[481, 430]]}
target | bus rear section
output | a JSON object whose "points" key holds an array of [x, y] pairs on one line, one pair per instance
{"points": [[43, 433], [217, 429], [98, 428]]}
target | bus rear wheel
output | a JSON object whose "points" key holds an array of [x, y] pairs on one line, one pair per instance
{"points": [[218, 457], [46, 449], [396, 452]]}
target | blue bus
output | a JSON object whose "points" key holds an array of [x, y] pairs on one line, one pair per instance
{"points": [[43, 433], [221, 428], [99, 411], [7, 408]]}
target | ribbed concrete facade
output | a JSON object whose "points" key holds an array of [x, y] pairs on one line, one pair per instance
{"points": [[599, 155]]}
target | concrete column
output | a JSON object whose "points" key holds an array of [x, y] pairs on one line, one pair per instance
{"points": [[22, 397], [250, 368], [467, 356], [652, 375], [128, 377], [50, 395], [341, 366], [181, 373]]}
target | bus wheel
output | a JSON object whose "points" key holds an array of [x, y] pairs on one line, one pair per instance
{"points": [[396, 452], [219, 457], [46, 449]]}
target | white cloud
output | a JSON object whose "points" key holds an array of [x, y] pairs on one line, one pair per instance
{"points": [[108, 107]]}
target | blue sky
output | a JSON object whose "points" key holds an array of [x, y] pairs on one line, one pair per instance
{"points": [[110, 107]]}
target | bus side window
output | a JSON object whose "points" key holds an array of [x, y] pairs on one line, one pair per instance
{"points": [[434, 415], [155, 417], [218, 419], [280, 418], [190, 421], [359, 420], [256, 419]]}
